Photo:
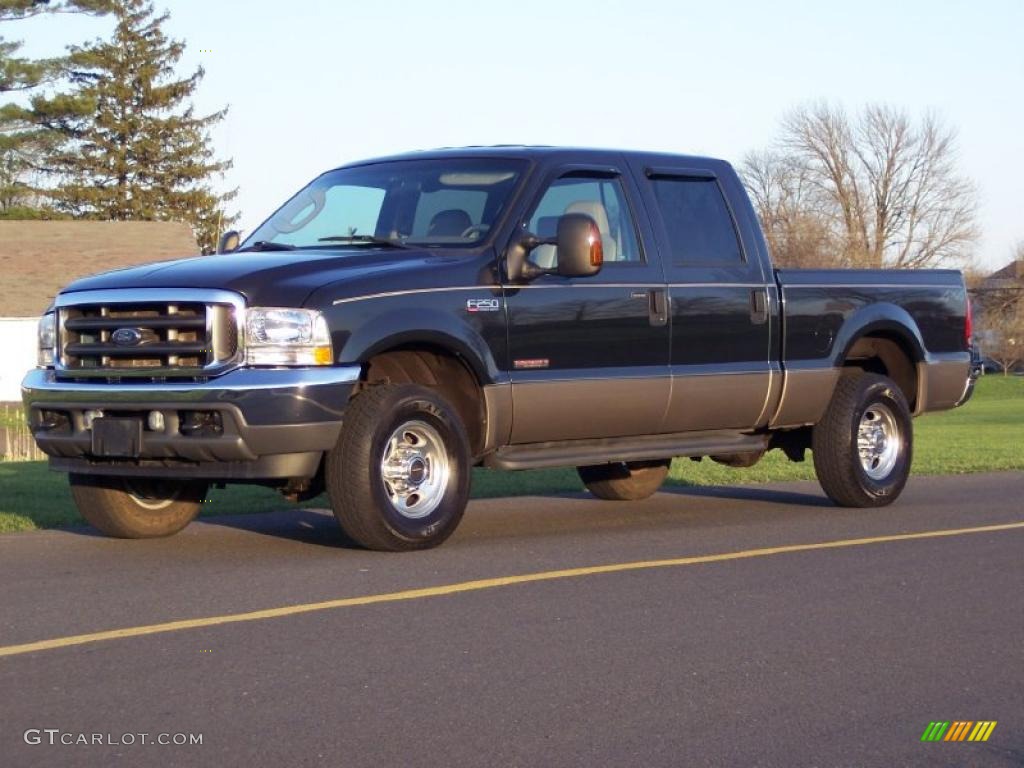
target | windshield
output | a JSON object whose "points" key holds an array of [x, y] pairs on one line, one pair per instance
{"points": [[431, 203]]}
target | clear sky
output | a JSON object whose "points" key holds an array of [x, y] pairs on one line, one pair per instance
{"points": [[317, 83]]}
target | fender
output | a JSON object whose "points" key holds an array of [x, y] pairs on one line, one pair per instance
{"points": [[401, 327], [874, 318]]}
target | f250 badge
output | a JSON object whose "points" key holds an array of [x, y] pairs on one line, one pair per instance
{"points": [[482, 305]]}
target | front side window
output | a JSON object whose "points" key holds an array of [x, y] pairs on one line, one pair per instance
{"points": [[697, 220], [603, 200], [430, 203]]}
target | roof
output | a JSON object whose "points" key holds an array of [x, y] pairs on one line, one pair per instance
{"points": [[525, 152], [1012, 271], [37, 258]]}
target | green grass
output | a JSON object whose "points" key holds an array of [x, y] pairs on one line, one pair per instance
{"points": [[985, 435]]}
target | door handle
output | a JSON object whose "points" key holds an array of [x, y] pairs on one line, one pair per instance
{"points": [[657, 303], [759, 306]]}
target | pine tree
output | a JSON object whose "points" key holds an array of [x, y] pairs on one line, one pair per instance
{"points": [[22, 143], [142, 153]]}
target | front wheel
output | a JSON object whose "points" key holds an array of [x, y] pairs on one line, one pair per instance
{"points": [[863, 446], [398, 478], [137, 508]]}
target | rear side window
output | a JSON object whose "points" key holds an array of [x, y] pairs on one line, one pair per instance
{"points": [[697, 219]]}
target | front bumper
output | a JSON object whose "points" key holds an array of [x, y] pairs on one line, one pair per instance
{"points": [[274, 423]]}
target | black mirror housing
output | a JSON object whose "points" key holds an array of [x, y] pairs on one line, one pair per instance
{"points": [[229, 241], [580, 250]]}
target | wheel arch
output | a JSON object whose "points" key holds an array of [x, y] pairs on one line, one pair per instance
{"points": [[883, 338], [395, 329], [437, 364]]}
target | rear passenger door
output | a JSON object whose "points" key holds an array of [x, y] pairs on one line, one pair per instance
{"points": [[720, 350], [590, 355]]}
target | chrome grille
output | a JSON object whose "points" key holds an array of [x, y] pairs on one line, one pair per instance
{"points": [[148, 333]]}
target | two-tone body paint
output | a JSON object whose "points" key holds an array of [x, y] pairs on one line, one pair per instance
{"points": [[724, 357], [827, 311], [586, 357], [581, 357], [590, 356]]}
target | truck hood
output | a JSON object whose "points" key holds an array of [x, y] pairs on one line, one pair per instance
{"points": [[267, 278]]}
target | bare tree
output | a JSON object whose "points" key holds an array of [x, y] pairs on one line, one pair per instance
{"points": [[793, 214], [884, 189]]}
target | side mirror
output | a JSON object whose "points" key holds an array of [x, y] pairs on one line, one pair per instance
{"points": [[229, 241], [580, 250]]}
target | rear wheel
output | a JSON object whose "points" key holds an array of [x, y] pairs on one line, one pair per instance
{"points": [[137, 508], [625, 480], [864, 444], [398, 478]]}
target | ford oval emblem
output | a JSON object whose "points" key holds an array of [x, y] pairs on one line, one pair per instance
{"points": [[126, 337]]}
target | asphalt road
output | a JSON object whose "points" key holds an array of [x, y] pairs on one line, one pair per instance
{"points": [[836, 656]]}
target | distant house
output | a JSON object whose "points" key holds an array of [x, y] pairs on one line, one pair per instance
{"points": [[1002, 288], [1010, 276], [38, 258], [1009, 279]]}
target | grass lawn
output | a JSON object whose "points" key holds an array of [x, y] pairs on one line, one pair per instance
{"points": [[987, 434]]}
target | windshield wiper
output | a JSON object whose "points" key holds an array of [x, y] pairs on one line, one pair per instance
{"points": [[267, 245], [364, 239]]}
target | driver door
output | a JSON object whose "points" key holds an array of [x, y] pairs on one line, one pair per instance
{"points": [[590, 355]]}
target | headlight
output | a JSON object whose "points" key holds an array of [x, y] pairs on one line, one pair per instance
{"points": [[47, 340], [286, 337]]}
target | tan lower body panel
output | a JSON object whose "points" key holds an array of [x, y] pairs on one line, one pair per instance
{"points": [[498, 402], [717, 401], [577, 409], [806, 393], [941, 384]]}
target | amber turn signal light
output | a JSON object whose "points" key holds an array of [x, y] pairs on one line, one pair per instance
{"points": [[596, 247]]}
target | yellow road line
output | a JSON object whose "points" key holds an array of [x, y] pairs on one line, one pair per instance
{"points": [[479, 584]]}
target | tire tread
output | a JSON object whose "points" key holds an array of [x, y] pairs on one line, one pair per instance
{"points": [[110, 509], [639, 480], [349, 469]]}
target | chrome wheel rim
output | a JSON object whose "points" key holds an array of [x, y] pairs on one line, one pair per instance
{"points": [[415, 469], [879, 442], [144, 496]]}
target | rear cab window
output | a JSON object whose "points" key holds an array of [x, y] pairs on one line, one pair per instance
{"points": [[698, 224]]}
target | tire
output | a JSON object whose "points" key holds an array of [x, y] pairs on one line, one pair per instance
{"points": [[625, 481], [137, 508], [416, 499], [876, 477]]}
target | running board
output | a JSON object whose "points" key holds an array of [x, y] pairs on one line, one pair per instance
{"points": [[579, 453]]}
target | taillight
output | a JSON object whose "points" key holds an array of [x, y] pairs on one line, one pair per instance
{"points": [[969, 323]]}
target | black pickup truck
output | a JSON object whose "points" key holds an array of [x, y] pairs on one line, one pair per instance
{"points": [[401, 320]]}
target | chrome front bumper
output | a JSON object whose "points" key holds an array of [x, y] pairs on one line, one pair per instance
{"points": [[43, 385]]}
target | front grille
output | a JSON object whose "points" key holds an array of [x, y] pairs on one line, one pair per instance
{"points": [[154, 339]]}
